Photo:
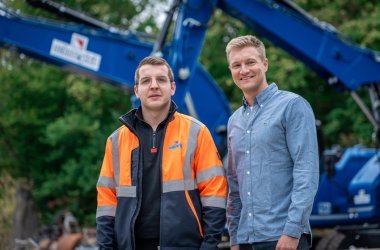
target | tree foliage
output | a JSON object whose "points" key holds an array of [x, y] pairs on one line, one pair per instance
{"points": [[53, 128], [53, 124]]}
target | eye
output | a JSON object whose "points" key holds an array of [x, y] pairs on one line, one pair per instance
{"points": [[145, 81], [161, 80], [251, 63], [235, 66]]}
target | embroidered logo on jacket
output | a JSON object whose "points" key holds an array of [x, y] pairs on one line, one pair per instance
{"points": [[176, 144]]}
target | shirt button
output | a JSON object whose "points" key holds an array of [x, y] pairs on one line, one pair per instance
{"points": [[248, 113], [250, 214], [261, 105], [249, 193], [248, 172], [248, 131], [247, 151]]}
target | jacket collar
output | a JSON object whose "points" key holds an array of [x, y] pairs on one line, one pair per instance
{"points": [[129, 119]]}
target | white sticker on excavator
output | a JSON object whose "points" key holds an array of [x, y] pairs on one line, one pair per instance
{"points": [[76, 52], [362, 198]]}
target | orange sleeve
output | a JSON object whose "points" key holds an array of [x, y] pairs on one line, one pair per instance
{"points": [[106, 194], [208, 166]]}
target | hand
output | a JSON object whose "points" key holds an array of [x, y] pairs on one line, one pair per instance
{"points": [[287, 243], [235, 247]]}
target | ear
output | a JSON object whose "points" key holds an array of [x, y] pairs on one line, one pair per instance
{"points": [[266, 63], [135, 88], [172, 88]]}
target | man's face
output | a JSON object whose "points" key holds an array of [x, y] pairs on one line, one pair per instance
{"points": [[154, 87], [248, 70]]}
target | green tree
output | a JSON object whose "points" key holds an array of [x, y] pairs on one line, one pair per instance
{"points": [[53, 129]]}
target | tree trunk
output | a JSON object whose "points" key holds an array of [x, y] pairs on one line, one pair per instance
{"points": [[25, 222]]}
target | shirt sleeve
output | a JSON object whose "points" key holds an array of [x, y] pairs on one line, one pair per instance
{"points": [[233, 200], [302, 144]]}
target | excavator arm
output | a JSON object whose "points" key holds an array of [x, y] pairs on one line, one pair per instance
{"points": [[319, 45]]}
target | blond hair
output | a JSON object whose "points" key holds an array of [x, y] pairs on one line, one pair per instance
{"points": [[246, 41]]}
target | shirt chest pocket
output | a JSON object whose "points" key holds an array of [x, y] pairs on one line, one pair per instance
{"points": [[269, 133], [260, 130]]}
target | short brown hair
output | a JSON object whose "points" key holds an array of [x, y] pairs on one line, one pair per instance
{"points": [[246, 41], [153, 60]]}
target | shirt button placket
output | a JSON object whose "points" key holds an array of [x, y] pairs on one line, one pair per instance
{"points": [[248, 176], [248, 173]]}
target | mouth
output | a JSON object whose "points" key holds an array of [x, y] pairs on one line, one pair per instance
{"points": [[244, 78], [154, 96]]}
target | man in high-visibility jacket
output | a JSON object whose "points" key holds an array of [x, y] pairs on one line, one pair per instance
{"points": [[162, 183]]}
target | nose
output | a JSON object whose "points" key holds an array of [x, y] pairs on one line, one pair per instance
{"points": [[154, 83], [243, 68]]}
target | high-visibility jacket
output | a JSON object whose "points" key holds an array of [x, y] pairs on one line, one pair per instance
{"points": [[193, 194]]}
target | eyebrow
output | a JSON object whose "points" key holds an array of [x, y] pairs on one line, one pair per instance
{"points": [[159, 76]]}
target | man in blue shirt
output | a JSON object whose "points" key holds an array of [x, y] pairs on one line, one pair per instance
{"points": [[272, 157]]}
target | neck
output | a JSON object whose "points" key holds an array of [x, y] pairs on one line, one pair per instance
{"points": [[250, 98], [251, 95], [155, 117]]}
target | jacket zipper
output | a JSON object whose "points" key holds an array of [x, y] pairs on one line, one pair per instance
{"points": [[153, 150]]}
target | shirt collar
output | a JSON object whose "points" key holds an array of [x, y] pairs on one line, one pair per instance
{"points": [[263, 96]]}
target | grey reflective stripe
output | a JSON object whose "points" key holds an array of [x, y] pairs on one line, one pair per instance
{"points": [[105, 211], [213, 201], [126, 191], [210, 173], [178, 185], [121, 191], [115, 155], [106, 182], [191, 147], [188, 183]]}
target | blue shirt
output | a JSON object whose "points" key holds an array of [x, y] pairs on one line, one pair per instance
{"points": [[272, 167]]}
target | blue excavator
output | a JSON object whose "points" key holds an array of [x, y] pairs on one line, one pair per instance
{"points": [[348, 200]]}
